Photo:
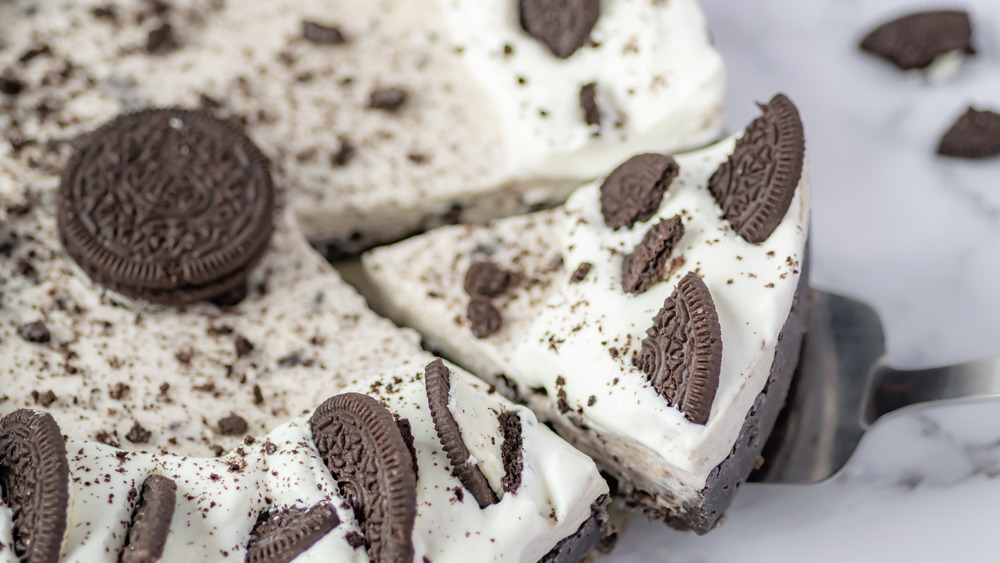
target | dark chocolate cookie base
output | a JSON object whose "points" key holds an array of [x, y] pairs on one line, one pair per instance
{"points": [[594, 533], [726, 478]]}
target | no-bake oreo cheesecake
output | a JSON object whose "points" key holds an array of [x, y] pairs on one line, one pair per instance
{"points": [[655, 319]]}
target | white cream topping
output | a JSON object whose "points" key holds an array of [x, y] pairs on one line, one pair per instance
{"points": [[660, 84], [584, 334], [219, 499]]}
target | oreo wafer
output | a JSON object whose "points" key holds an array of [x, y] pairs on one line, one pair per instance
{"points": [[756, 184], [34, 475], [915, 40], [974, 135], [363, 449], [437, 382], [562, 25], [151, 520], [634, 191], [280, 536], [682, 351], [648, 263], [170, 206]]}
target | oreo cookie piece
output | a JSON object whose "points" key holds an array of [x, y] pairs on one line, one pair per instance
{"points": [[915, 40], [974, 135], [320, 34], [562, 25], [34, 476], [360, 442], [648, 263], [588, 103], [756, 184], [682, 351], [170, 206], [280, 536], [437, 382], [484, 317], [512, 450], [151, 520], [485, 279], [634, 191]]}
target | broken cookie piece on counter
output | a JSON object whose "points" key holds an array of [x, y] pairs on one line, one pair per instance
{"points": [[655, 319]]}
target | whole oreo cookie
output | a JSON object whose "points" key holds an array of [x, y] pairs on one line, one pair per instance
{"points": [[34, 475], [151, 521], [633, 192], [437, 382], [974, 135], [562, 25], [280, 536], [915, 40], [364, 450], [170, 206], [682, 351], [756, 184]]}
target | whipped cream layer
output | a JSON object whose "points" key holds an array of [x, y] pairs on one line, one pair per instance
{"points": [[354, 175], [219, 499], [573, 342], [660, 84]]}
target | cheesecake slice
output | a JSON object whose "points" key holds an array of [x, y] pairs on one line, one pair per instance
{"points": [[655, 319]]}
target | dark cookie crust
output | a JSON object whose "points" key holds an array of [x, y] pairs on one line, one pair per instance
{"points": [[756, 184], [280, 536], [562, 25], [976, 134], [915, 40], [34, 476], [682, 351], [594, 533], [169, 205], [634, 191], [151, 520], [437, 382], [360, 442], [649, 263]]}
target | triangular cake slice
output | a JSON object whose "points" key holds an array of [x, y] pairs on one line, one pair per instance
{"points": [[655, 319]]}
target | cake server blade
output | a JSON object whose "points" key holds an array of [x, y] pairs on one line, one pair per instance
{"points": [[844, 385]]}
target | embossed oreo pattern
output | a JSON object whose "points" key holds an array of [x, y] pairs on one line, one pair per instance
{"points": [[756, 184], [364, 450], [167, 205], [282, 535], [650, 262], [682, 351], [34, 475], [633, 192]]}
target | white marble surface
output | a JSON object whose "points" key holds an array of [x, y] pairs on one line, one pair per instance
{"points": [[915, 235]]}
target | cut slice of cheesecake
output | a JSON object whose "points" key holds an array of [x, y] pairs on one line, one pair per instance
{"points": [[382, 118], [655, 319]]}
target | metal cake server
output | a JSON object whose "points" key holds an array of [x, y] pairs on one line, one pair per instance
{"points": [[844, 385]]}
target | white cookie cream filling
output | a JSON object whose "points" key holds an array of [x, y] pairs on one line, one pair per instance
{"points": [[576, 341], [660, 84], [219, 499], [444, 154]]}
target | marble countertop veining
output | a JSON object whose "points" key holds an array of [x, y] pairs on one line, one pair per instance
{"points": [[913, 234]]}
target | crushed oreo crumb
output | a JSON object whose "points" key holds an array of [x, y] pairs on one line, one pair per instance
{"points": [[485, 279], [388, 99], [485, 318], [320, 34], [233, 425], [581, 272], [588, 103], [35, 332]]}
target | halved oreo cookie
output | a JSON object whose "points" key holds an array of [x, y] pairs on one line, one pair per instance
{"points": [[562, 25], [634, 191], [512, 450], [975, 135], [170, 206], [363, 449], [437, 382], [34, 476], [915, 40], [648, 263], [280, 536], [682, 351], [151, 520], [756, 184]]}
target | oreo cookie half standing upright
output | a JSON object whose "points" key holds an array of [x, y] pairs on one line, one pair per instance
{"points": [[170, 206], [147, 535]]}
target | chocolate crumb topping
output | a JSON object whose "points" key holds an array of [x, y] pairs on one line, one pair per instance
{"points": [[485, 279], [976, 134], [915, 40], [647, 265], [562, 25], [588, 102], [388, 99], [484, 317], [682, 351], [320, 34], [634, 191]]}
